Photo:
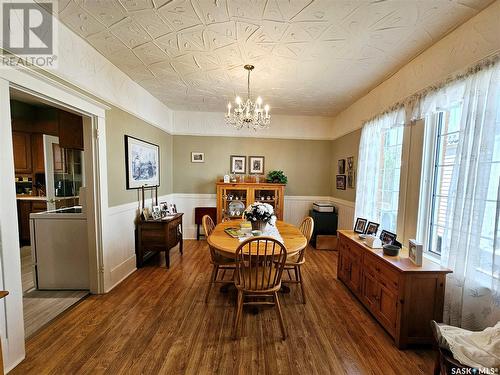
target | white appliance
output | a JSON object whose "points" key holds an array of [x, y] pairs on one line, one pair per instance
{"points": [[59, 249], [323, 207]]}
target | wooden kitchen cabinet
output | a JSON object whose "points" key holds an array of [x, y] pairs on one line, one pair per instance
{"points": [[38, 159], [23, 214], [25, 207], [70, 130], [21, 143], [401, 296]]}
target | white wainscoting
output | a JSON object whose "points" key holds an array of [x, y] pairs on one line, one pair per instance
{"points": [[346, 213], [119, 249]]}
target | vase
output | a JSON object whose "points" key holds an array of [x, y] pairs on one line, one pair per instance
{"points": [[259, 225]]}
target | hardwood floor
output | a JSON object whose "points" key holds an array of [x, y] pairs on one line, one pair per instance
{"points": [[41, 306], [156, 321]]}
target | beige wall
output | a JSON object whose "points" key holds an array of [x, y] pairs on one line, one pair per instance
{"points": [[469, 43], [307, 163], [342, 148], [118, 124]]}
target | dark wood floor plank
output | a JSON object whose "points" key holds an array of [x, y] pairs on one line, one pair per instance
{"points": [[156, 322]]}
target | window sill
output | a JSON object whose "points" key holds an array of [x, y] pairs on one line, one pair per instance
{"points": [[432, 257]]}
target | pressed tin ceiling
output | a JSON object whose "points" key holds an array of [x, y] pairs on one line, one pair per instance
{"points": [[310, 56]]}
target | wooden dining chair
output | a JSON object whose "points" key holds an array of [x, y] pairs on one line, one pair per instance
{"points": [[294, 263], [219, 262], [259, 267]]}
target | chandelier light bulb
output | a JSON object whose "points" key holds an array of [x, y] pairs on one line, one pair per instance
{"points": [[248, 113]]}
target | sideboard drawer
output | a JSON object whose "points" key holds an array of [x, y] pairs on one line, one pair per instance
{"points": [[384, 273]]}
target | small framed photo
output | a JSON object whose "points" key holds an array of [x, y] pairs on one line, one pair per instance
{"points": [[238, 164], [197, 157], [256, 164], [341, 166], [372, 228], [156, 213], [350, 163], [146, 214], [164, 209], [172, 209], [340, 182], [415, 251], [359, 227], [387, 237]]}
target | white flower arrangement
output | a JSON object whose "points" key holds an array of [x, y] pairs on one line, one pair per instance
{"points": [[260, 211]]}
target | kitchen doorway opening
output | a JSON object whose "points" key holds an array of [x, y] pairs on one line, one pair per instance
{"points": [[49, 153]]}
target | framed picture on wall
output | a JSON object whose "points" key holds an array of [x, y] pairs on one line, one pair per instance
{"points": [[341, 166], [340, 182], [256, 164], [238, 164], [142, 163], [197, 157], [350, 172]]}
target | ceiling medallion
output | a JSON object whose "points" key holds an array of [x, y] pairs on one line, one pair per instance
{"points": [[248, 114]]}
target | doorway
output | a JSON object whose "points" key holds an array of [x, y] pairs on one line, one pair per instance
{"points": [[93, 113], [48, 153]]}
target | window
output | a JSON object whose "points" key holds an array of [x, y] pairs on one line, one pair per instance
{"points": [[379, 169], [446, 143], [388, 183], [444, 178]]}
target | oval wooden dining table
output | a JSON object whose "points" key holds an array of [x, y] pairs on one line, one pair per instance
{"points": [[293, 239]]}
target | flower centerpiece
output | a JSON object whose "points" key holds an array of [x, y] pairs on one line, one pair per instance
{"points": [[259, 214]]}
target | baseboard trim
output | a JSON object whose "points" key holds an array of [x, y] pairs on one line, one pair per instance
{"points": [[14, 364], [128, 267]]}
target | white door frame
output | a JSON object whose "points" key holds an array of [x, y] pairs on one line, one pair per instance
{"points": [[11, 316]]}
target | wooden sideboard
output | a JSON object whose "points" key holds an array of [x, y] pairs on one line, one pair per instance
{"points": [[248, 193], [157, 236], [402, 297]]}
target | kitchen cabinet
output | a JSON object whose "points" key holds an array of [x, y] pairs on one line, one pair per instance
{"points": [[38, 159], [401, 296], [70, 130], [21, 143], [24, 208]]}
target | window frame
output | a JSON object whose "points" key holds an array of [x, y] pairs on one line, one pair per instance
{"points": [[427, 182]]}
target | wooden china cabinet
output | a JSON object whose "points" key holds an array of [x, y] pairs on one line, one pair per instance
{"points": [[233, 198]]}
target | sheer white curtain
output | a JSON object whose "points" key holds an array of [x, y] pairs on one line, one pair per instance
{"points": [[470, 245], [379, 161]]}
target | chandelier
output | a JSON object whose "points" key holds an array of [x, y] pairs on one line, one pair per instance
{"points": [[248, 114]]}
